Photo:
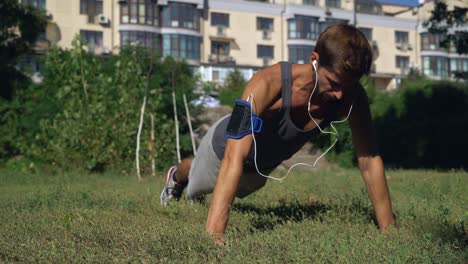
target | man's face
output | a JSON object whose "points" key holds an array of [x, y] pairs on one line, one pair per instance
{"points": [[332, 87]]}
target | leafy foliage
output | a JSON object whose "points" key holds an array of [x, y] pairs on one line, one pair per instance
{"points": [[416, 126], [86, 111], [233, 87], [425, 119], [450, 24], [19, 28]]}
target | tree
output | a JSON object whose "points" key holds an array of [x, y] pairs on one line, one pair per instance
{"points": [[19, 28], [233, 87], [451, 25]]}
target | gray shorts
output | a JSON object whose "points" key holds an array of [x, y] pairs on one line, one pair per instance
{"points": [[205, 167]]}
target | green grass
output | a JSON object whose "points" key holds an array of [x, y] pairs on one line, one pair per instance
{"points": [[321, 216]]}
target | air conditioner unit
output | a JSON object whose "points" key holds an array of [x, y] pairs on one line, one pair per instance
{"points": [[398, 45], [221, 30], [266, 34], [300, 61], [322, 19], [404, 46], [106, 51], [103, 20], [410, 46], [266, 61], [49, 15]]}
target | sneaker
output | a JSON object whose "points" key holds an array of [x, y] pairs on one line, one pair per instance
{"points": [[172, 190]]}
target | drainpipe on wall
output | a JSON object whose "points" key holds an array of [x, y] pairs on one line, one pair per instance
{"points": [[354, 13], [416, 44], [282, 29], [112, 23]]}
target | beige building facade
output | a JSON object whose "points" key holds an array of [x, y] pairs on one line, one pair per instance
{"points": [[217, 36]]}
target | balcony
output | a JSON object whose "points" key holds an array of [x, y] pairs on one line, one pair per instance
{"points": [[221, 31], [404, 46], [266, 34], [41, 46], [221, 59], [404, 71], [267, 61]]}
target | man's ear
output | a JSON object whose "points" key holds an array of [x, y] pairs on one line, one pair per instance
{"points": [[314, 56]]}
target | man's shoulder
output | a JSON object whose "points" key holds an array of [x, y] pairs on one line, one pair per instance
{"points": [[270, 76]]}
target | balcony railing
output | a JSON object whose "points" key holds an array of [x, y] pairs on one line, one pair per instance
{"points": [[221, 59], [41, 46], [404, 46], [266, 34]]}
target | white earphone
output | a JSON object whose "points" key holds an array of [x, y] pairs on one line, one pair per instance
{"points": [[335, 133]]}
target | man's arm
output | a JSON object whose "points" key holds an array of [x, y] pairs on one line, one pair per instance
{"points": [[370, 162], [264, 91]]}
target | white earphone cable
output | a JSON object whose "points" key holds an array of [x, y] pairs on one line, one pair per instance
{"points": [[335, 133]]}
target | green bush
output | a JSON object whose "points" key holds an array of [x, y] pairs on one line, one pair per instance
{"points": [[417, 126], [86, 111], [233, 88], [423, 125]]}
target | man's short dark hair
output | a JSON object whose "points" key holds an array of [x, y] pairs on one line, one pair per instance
{"points": [[345, 50]]}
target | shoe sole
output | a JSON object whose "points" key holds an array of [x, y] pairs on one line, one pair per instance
{"points": [[169, 173]]}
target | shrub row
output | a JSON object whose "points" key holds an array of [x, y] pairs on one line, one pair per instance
{"points": [[86, 111], [420, 125]]}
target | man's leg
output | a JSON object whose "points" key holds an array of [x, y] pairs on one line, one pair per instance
{"points": [[183, 170], [176, 181]]}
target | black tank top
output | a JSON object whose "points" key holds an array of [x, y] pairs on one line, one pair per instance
{"points": [[279, 138]]}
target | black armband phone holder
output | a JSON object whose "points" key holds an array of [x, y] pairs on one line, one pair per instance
{"points": [[240, 122]]}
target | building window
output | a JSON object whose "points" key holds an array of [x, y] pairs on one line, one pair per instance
{"points": [[333, 3], [431, 41], [264, 51], [90, 7], [181, 46], [139, 12], [303, 27], [309, 2], [181, 15], [31, 64], [435, 66], [401, 37], [331, 21], [220, 48], [220, 19], [402, 62], [369, 7], [458, 65], [40, 4], [140, 38], [42, 36], [215, 76], [300, 53], [93, 39], [264, 23], [367, 32]]}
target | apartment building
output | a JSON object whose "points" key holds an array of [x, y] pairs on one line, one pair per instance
{"points": [[217, 36]]}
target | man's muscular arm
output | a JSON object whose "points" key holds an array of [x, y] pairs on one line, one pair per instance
{"points": [[370, 162], [265, 90]]}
